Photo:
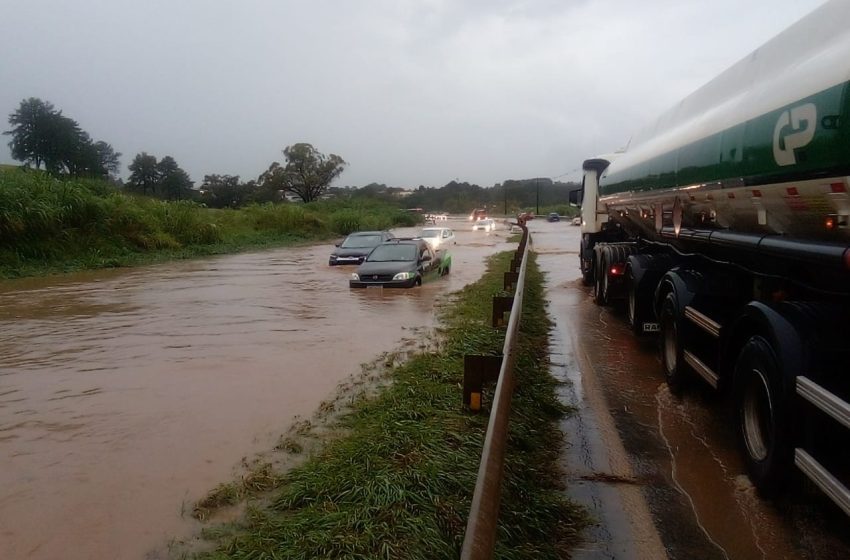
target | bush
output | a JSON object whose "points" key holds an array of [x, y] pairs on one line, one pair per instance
{"points": [[293, 219]]}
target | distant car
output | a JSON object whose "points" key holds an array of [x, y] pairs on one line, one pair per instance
{"points": [[437, 236], [356, 246], [553, 217], [401, 263], [576, 221], [478, 214], [487, 224], [526, 216]]}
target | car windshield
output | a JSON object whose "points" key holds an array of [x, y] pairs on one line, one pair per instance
{"points": [[387, 253], [361, 241], [430, 233]]}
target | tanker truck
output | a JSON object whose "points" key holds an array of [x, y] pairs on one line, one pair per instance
{"points": [[724, 230]]}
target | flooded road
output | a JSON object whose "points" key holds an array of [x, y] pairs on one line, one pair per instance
{"points": [[127, 395], [661, 473]]}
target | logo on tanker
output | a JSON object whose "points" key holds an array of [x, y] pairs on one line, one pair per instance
{"points": [[794, 129]]}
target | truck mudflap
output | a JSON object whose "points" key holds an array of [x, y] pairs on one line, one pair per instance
{"points": [[643, 271]]}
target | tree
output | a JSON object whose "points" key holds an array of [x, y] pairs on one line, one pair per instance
{"points": [[224, 191], [308, 173], [108, 160], [30, 125], [65, 146], [143, 173], [43, 135], [173, 182]]}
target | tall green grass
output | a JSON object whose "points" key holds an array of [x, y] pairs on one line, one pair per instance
{"points": [[399, 482], [51, 225]]}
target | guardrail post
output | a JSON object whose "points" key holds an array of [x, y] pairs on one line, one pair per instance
{"points": [[478, 370], [510, 280], [501, 305]]}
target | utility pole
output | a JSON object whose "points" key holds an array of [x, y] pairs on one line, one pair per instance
{"points": [[505, 192], [537, 181]]}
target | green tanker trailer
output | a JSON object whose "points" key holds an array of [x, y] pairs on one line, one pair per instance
{"points": [[725, 227]]}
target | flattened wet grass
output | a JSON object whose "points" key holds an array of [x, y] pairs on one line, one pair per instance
{"points": [[398, 483]]}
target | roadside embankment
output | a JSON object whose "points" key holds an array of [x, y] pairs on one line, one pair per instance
{"points": [[52, 226]]}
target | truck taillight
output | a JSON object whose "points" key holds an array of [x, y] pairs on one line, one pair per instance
{"points": [[617, 270]]}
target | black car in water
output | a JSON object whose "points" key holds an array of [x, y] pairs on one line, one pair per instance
{"points": [[357, 245], [553, 217], [401, 263]]}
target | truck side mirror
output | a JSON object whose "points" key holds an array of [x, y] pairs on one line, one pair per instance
{"points": [[576, 197]]}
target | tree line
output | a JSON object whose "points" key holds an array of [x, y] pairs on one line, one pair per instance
{"points": [[42, 137]]}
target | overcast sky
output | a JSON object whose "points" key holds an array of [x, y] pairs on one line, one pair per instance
{"points": [[408, 92]]}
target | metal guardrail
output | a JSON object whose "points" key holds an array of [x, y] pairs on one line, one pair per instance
{"points": [[480, 538]]}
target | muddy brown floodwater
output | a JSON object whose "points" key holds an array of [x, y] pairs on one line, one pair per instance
{"points": [[126, 395], [661, 472]]}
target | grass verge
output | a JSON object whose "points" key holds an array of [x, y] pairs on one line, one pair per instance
{"points": [[397, 480]]}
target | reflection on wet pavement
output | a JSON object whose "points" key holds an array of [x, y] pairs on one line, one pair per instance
{"points": [[681, 450], [126, 395]]}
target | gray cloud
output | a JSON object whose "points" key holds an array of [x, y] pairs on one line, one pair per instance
{"points": [[408, 92]]}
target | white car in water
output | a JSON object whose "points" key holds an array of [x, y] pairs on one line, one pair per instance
{"points": [[487, 224], [437, 236]]}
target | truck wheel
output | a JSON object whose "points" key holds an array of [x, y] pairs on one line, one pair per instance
{"points": [[600, 295], [671, 344], [586, 265], [586, 272], [762, 416], [636, 309]]}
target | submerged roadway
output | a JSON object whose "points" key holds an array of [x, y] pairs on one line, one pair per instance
{"points": [[126, 395]]}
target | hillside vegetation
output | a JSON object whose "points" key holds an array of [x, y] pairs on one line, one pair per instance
{"points": [[49, 225]]}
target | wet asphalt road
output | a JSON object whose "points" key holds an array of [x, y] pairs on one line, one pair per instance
{"points": [[660, 473]]}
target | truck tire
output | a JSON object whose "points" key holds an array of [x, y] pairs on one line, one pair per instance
{"points": [[672, 361], [587, 267], [586, 274], [599, 293], [761, 412], [636, 309]]}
